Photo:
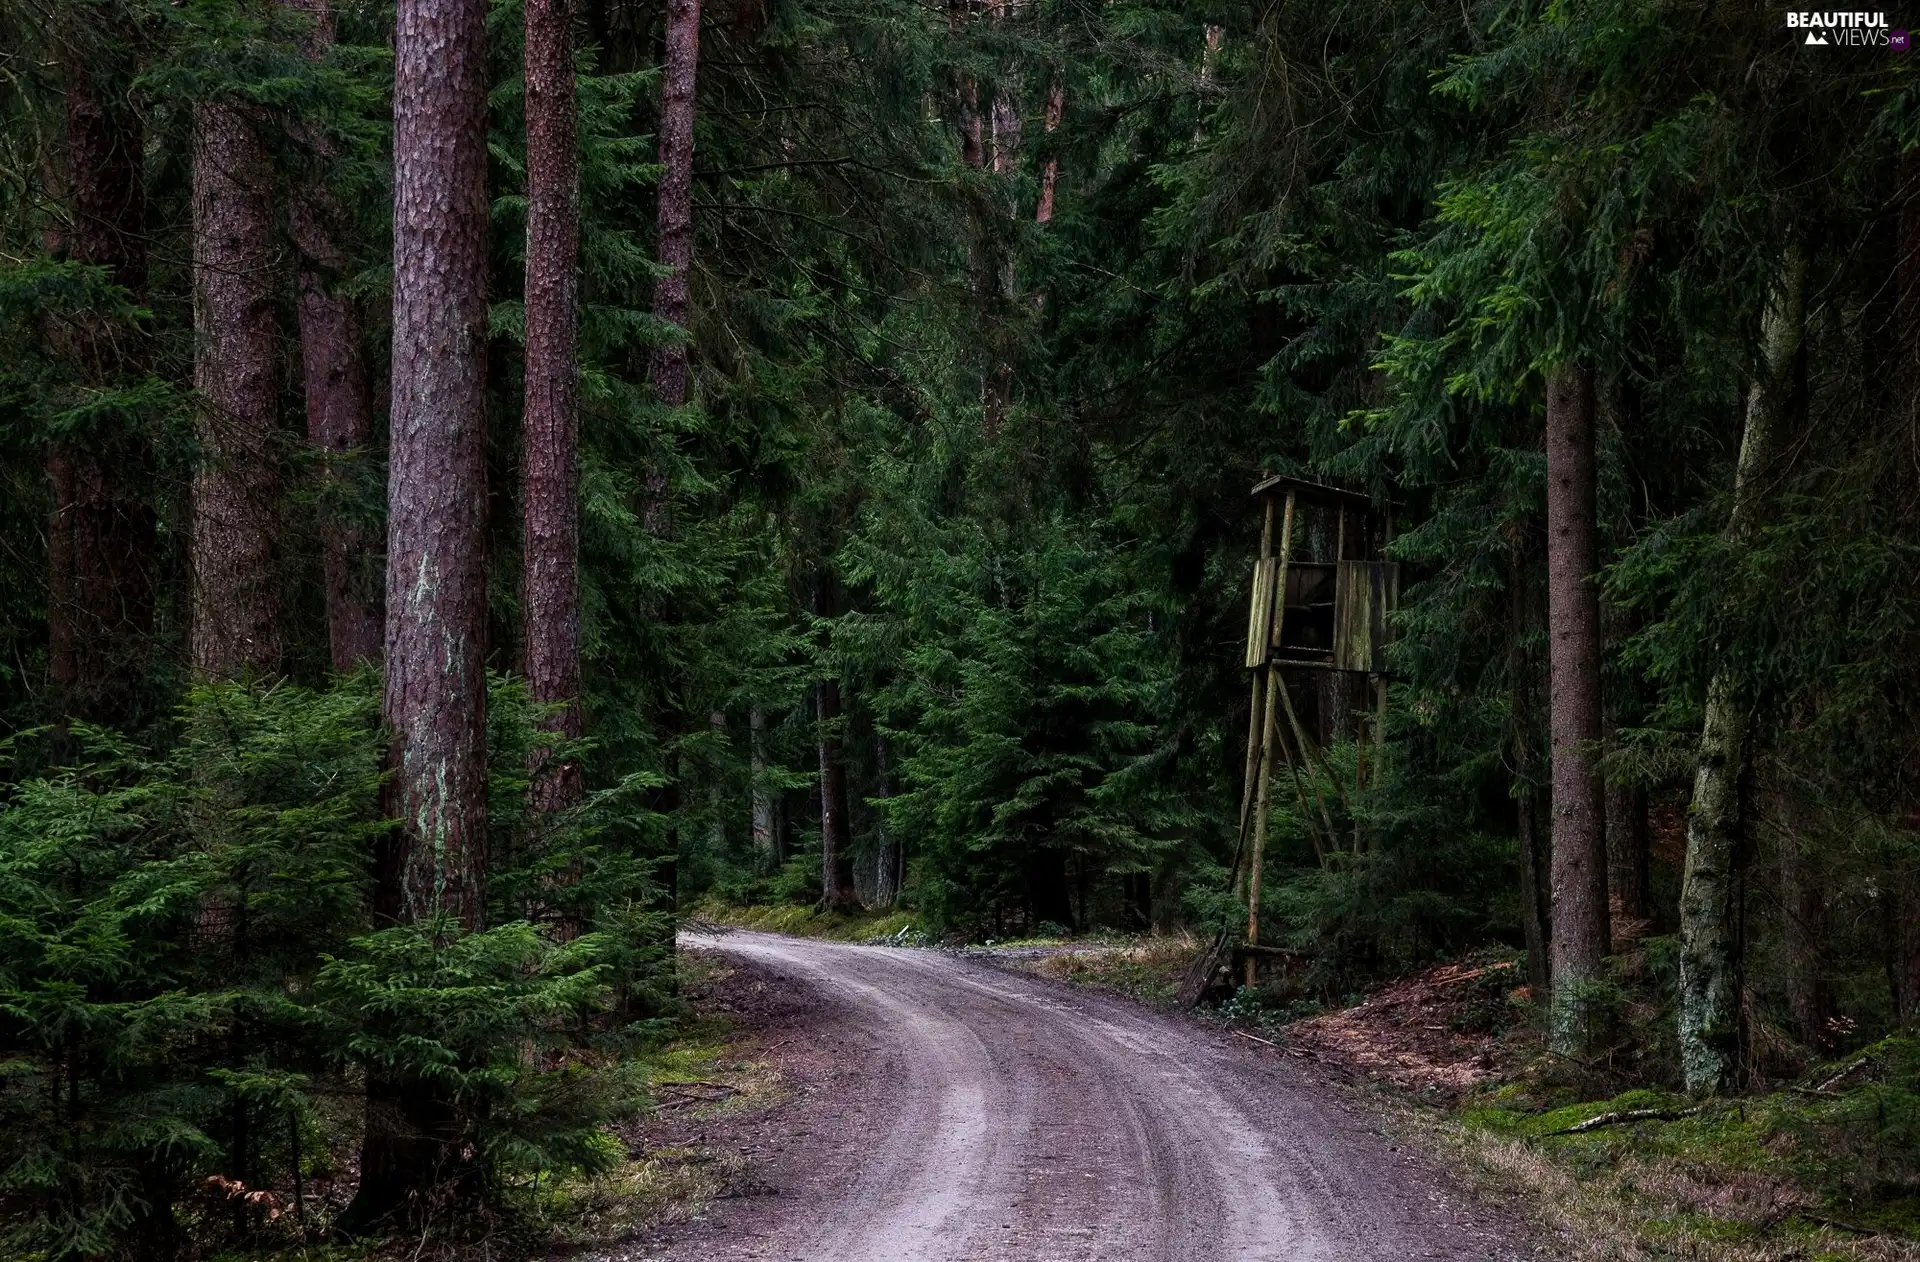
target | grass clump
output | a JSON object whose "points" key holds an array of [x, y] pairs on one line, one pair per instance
{"points": [[810, 922], [1145, 969]]}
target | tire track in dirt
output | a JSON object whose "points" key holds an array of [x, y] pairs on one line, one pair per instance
{"points": [[1028, 1122]]}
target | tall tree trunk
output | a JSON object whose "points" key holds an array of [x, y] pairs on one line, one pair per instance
{"points": [[102, 529], [1803, 916], [1056, 106], [669, 368], [836, 856], [1710, 1033], [671, 378], [1904, 941], [1580, 927], [973, 150], [236, 485], [1628, 840], [886, 882], [1536, 923], [1209, 53], [339, 402], [436, 535], [717, 784], [766, 842], [1536, 861], [435, 702], [1006, 133], [1903, 950], [550, 523]]}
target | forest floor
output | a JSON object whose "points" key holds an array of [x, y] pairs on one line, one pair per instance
{"points": [[936, 1106]]}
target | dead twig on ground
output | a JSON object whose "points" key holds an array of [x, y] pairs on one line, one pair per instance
{"points": [[1820, 1221], [1623, 1116], [1845, 1071]]}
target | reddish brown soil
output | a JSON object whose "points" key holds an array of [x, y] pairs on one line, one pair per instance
{"points": [[1423, 1033]]}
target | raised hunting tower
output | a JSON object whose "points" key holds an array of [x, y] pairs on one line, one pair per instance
{"points": [[1317, 631]]}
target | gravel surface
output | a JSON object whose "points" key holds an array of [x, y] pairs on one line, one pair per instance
{"points": [[947, 1110]]}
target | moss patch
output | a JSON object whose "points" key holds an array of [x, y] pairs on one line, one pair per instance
{"points": [[1807, 1172]]}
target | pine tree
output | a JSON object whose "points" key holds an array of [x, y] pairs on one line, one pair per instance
{"points": [[236, 485], [1579, 846], [435, 696], [101, 530], [337, 392], [1710, 1033], [672, 382], [550, 532]]}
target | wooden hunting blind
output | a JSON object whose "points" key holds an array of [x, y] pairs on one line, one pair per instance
{"points": [[1322, 596]]}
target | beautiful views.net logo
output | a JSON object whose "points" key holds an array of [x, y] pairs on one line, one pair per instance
{"points": [[1860, 30]]}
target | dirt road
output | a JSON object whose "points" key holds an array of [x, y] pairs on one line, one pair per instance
{"points": [[975, 1114]]}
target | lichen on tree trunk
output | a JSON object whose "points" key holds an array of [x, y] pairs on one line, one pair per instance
{"points": [[435, 699], [1710, 1032]]}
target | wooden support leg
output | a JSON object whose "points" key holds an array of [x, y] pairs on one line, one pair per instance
{"points": [[1263, 799], [1247, 780]]}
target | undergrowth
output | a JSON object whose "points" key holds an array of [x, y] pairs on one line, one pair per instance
{"points": [[1825, 1168]]}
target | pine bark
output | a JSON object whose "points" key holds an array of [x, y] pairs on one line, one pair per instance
{"points": [[1580, 924], [836, 856], [672, 380], [550, 521], [436, 610], [102, 529], [338, 399], [435, 700], [1710, 1033], [236, 484]]}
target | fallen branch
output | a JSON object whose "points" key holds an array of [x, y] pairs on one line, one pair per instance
{"points": [[1624, 1116], [1834, 1223], [1846, 1071], [1256, 1038]]}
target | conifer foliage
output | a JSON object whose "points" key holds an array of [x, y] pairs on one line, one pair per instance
{"points": [[807, 448]]}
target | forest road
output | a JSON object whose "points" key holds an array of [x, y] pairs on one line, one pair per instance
{"points": [[995, 1117]]}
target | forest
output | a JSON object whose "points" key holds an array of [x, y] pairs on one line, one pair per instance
{"points": [[484, 479]]}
